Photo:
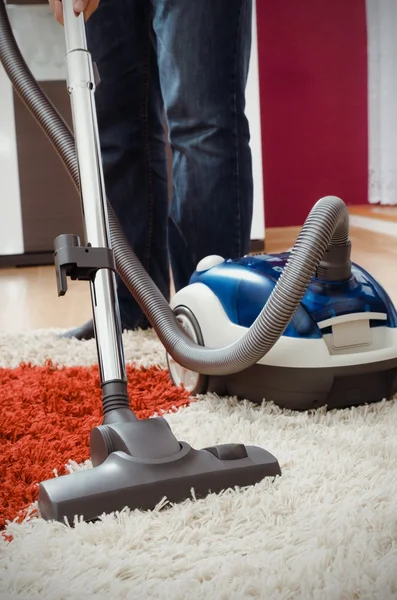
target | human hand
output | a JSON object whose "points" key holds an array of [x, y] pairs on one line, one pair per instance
{"points": [[85, 6]]}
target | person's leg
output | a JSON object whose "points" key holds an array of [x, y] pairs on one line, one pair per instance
{"points": [[203, 51], [130, 120]]}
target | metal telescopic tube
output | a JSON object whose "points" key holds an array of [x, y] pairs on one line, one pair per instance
{"points": [[81, 87]]}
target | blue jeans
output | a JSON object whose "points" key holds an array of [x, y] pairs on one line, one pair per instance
{"points": [[185, 61]]}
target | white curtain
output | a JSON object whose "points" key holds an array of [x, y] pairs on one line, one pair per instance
{"points": [[382, 97]]}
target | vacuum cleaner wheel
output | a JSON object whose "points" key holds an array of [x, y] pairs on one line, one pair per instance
{"points": [[194, 383]]}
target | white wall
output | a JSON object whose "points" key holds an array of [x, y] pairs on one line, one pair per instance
{"points": [[11, 234], [382, 91], [254, 118], [45, 56]]}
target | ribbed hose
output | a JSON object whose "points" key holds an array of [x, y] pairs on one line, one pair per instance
{"points": [[327, 224]]}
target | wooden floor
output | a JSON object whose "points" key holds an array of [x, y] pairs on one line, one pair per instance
{"points": [[28, 297]]}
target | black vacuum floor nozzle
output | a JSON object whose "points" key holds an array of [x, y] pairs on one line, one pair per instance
{"points": [[145, 464]]}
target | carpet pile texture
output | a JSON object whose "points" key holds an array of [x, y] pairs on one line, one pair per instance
{"points": [[326, 529]]}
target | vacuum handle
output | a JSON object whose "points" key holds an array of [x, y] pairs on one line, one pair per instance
{"points": [[74, 28]]}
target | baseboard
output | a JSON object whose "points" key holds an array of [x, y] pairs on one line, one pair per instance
{"points": [[28, 259], [257, 245], [43, 259]]}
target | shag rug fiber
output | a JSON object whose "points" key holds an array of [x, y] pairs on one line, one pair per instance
{"points": [[326, 529]]}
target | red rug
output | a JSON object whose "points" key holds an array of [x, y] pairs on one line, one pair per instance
{"points": [[46, 415]]}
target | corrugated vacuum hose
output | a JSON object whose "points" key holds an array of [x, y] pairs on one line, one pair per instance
{"points": [[325, 229]]}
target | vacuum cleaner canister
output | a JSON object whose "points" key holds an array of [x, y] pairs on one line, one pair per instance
{"points": [[339, 349]]}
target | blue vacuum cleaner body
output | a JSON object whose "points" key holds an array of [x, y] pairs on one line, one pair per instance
{"points": [[339, 349]]}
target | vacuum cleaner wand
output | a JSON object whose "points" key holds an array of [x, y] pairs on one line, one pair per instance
{"points": [[136, 463], [81, 86]]}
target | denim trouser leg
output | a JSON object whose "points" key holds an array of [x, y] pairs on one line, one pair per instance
{"points": [[200, 52], [130, 120], [203, 49]]}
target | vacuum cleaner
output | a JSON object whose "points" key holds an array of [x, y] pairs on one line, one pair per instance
{"points": [[302, 328], [338, 350]]}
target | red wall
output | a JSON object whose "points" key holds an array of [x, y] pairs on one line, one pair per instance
{"points": [[313, 84]]}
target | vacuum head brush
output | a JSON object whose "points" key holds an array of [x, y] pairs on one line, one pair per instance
{"points": [[138, 464]]}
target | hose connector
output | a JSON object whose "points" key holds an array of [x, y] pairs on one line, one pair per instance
{"points": [[336, 264]]}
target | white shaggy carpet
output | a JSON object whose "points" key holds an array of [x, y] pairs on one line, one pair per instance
{"points": [[327, 529]]}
